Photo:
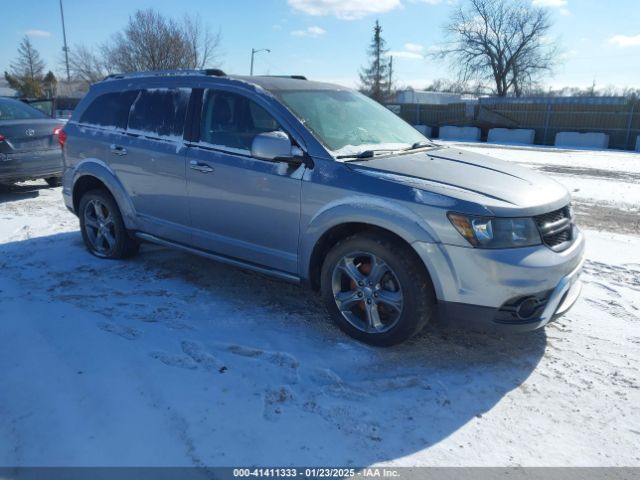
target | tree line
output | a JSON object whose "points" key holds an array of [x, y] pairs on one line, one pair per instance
{"points": [[495, 47]]}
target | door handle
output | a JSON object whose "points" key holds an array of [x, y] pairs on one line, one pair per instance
{"points": [[200, 167], [117, 150]]}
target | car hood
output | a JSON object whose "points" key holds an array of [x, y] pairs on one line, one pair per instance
{"points": [[469, 176]]}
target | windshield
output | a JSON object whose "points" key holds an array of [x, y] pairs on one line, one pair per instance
{"points": [[15, 110], [348, 123]]}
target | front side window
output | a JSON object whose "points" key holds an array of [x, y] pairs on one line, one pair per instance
{"points": [[159, 112], [110, 109], [16, 110], [232, 121], [347, 122]]}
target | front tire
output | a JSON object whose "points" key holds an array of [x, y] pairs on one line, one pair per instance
{"points": [[102, 228], [377, 289]]}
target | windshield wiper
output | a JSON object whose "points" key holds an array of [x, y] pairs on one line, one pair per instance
{"points": [[367, 153], [371, 153], [417, 145]]}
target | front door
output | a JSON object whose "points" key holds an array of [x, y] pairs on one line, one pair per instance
{"points": [[240, 206]]}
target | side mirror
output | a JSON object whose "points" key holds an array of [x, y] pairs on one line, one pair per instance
{"points": [[275, 146]]}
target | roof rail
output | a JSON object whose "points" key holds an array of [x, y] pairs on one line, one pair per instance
{"points": [[296, 77], [214, 72]]}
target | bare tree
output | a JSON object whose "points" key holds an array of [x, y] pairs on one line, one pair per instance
{"points": [[28, 65], [151, 41], [86, 65], [203, 46], [502, 41]]}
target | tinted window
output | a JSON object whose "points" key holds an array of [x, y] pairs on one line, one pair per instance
{"points": [[232, 121], [16, 110], [159, 112], [110, 109]]}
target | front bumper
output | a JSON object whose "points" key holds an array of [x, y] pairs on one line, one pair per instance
{"points": [[16, 167], [484, 288], [478, 317]]}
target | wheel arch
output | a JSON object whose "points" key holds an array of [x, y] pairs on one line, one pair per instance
{"points": [[341, 220], [354, 214], [338, 233], [92, 174]]}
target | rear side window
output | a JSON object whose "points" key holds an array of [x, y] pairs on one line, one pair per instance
{"points": [[232, 121], [159, 112], [110, 109]]}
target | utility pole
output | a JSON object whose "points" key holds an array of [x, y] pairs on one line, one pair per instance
{"points": [[65, 49], [253, 52]]}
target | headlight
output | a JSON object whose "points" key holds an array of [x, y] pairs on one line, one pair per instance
{"points": [[488, 232]]}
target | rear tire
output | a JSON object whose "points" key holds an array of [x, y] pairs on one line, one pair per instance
{"points": [[53, 181], [377, 289], [102, 228]]}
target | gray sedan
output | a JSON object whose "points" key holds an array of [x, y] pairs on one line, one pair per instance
{"points": [[29, 146]]}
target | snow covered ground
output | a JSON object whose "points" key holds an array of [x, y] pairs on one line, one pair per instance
{"points": [[169, 359]]}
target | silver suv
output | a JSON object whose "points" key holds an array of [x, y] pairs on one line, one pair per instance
{"points": [[316, 183]]}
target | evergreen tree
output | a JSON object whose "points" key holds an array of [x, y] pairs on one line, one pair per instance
{"points": [[26, 88], [375, 79], [50, 84], [27, 72]]}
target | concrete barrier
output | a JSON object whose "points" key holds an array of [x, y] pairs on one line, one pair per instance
{"points": [[521, 136], [471, 134], [638, 144], [582, 140], [423, 129]]}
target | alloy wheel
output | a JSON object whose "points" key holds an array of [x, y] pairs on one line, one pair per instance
{"points": [[367, 292], [100, 227]]}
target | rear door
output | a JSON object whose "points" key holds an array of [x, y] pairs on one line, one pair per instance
{"points": [[148, 158], [240, 206], [102, 124]]}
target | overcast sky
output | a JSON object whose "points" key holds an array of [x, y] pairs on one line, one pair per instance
{"points": [[327, 39]]}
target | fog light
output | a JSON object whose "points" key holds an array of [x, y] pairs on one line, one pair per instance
{"points": [[527, 308]]}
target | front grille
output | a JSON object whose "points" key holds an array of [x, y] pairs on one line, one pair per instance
{"points": [[556, 228]]}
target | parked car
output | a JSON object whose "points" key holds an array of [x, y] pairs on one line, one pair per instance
{"points": [[318, 184], [59, 108], [29, 147]]}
